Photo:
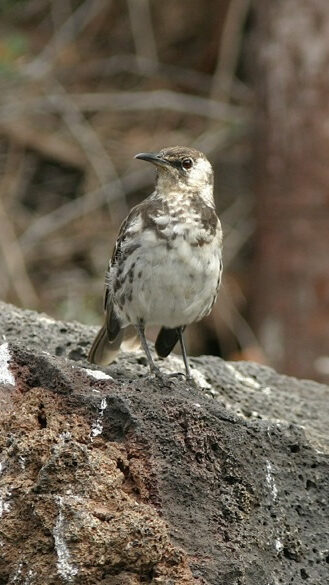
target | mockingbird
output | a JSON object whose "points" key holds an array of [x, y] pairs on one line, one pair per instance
{"points": [[167, 261]]}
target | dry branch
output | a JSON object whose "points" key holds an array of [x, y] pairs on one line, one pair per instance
{"points": [[229, 49], [72, 27], [142, 30], [137, 65], [49, 145], [88, 202], [85, 135], [146, 100], [10, 247]]}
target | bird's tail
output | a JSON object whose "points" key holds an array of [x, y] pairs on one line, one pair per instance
{"points": [[103, 351], [166, 341]]}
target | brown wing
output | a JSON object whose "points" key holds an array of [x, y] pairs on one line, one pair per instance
{"points": [[139, 209], [117, 249]]}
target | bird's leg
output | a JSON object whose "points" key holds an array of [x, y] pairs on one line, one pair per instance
{"points": [[141, 332], [182, 344]]}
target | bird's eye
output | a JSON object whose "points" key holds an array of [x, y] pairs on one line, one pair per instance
{"points": [[187, 163]]}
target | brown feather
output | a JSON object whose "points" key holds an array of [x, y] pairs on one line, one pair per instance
{"points": [[102, 351]]}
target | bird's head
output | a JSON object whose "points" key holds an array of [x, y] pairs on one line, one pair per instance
{"points": [[182, 168]]}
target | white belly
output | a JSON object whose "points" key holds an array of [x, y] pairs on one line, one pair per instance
{"points": [[171, 287]]}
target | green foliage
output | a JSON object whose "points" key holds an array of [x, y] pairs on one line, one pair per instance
{"points": [[12, 47], [6, 6]]}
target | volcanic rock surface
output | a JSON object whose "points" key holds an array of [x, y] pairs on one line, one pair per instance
{"points": [[110, 477]]}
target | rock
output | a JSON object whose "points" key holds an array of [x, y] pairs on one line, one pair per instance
{"points": [[109, 477]]}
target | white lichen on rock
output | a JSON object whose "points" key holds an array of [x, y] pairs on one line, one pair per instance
{"points": [[65, 567], [18, 574], [200, 378], [97, 427], [6, 377], [247, 381], [4, 504], [270, 481], [98, 374], [5, 493]]}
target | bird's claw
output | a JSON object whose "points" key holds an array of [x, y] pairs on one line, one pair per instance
{"points": [[176, 375]]}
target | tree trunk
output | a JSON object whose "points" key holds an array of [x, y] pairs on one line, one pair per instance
{"points": [[291, 308]]}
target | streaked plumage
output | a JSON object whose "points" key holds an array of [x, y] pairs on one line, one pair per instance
{"points": [[166, 265]]}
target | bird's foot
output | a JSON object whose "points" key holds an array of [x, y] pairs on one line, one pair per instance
{"points": [[188, 377], [156, 373], [191, 380], [176, 375]]}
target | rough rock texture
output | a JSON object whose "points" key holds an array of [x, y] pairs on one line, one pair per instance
{"points": [[108, 477]]}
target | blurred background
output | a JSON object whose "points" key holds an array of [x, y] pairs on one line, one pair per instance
{"points": [[85, 85]]}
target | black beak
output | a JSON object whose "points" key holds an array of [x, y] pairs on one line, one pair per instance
{"points": [[153, 158]]}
